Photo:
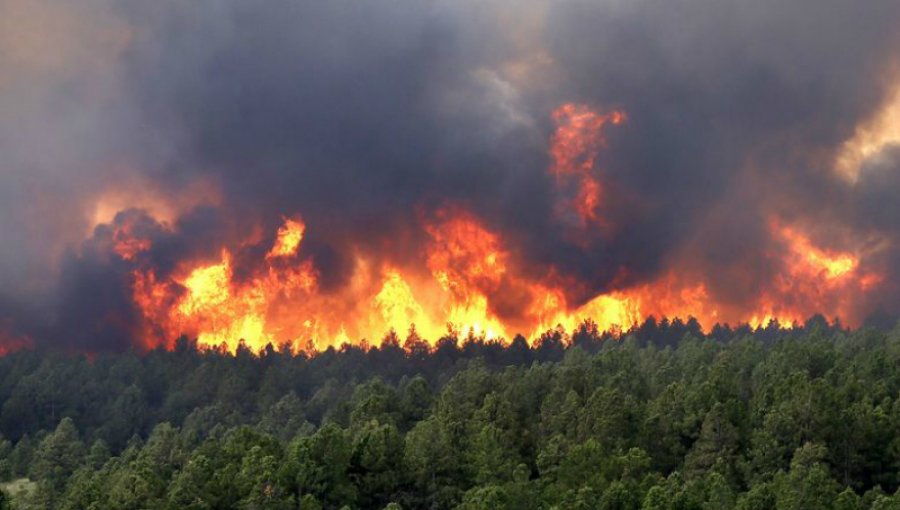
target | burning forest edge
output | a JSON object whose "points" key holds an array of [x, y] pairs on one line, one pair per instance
{"points": [[663, 419], [331, 174], [458, 274]]}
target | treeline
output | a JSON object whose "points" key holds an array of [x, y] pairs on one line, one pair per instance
{"points": [[661, 417]]}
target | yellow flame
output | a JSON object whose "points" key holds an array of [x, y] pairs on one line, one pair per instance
{"points": [[207, 286], [288, 238], [397, 304]]}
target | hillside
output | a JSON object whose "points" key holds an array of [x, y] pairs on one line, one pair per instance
{"points": [[804, 418]]}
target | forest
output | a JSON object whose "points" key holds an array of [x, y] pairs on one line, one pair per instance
{"points": [[663, 416]]}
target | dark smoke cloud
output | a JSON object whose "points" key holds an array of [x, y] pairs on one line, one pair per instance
{"points": [[363, 117]]}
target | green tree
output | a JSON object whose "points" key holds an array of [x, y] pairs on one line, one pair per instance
{"points": [[192, 487], [808, 485], [716, 448], [320, 465], [286, 419], [257, 482], [377, 468], [485, 498], [848, 500], [58, 456], [433, 464]]}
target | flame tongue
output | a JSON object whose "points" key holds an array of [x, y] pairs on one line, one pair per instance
{"points": [[574, 149], [469, 262], [288, 239], [807, 258]]}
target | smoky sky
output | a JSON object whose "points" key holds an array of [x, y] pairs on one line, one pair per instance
{"points": [[363, 117]]}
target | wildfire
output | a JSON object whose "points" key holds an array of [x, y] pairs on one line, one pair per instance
{"points": [[574, 148], [467, 278], [397, 304], [288, 239], [128, 246], [10, 343], [812, 279], [208, 303], [809, 259], [470, 268], [464, 256]]}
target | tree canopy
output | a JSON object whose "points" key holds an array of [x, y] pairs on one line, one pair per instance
{"points": [[661, 417]]}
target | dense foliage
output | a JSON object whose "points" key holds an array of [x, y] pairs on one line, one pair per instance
{"points": [[662, 417]]}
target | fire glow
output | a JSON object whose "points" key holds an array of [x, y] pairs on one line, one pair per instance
{"points": [[466, 280], [574, 149]]}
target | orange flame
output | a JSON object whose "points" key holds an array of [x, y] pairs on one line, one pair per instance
{"points": [[470, 269], [812, 280], [574, 148], [468, 262], [811, 260], [208, 303], [288, 239]]}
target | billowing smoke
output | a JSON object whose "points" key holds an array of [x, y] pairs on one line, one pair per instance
{"points": [[757, 146]]}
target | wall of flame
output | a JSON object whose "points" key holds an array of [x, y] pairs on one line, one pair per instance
{"points": [[468, 282]]}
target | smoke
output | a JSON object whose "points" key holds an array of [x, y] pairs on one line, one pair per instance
{"points": [[218, 118]]}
